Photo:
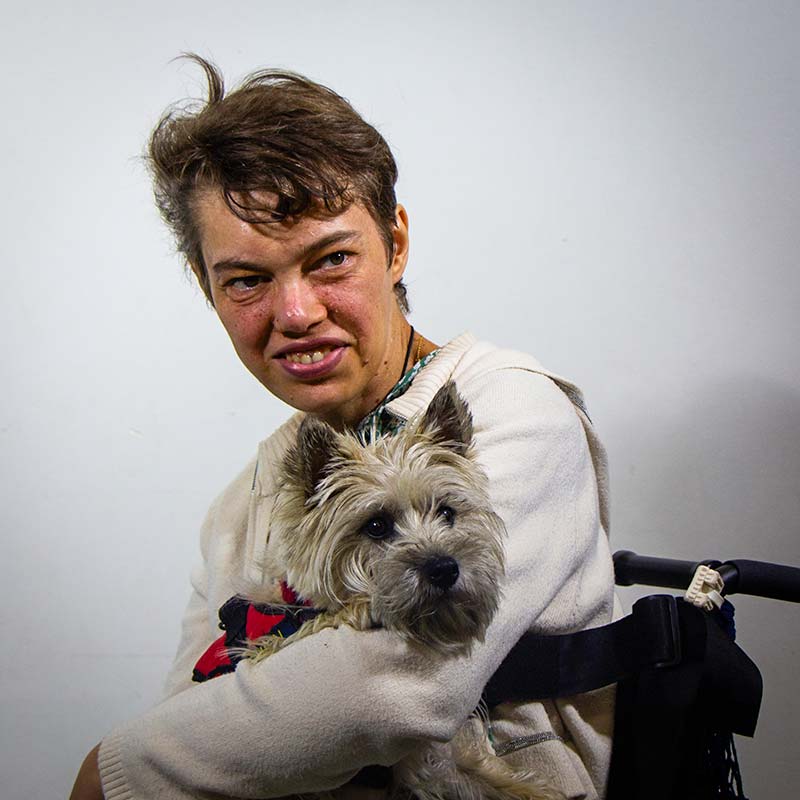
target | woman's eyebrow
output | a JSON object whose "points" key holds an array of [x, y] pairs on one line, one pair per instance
{"points": [[230, 264], [337, 237]]}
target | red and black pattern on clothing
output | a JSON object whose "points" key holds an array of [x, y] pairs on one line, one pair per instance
{"points": [[243, 622]]}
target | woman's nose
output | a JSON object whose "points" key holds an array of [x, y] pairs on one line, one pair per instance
{"points": [[297, 307]]}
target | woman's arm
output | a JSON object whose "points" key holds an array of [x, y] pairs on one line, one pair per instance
{"points": [[87, 784], [308, 718]]}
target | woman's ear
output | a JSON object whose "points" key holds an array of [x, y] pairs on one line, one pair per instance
{"points": [[399, 260]]}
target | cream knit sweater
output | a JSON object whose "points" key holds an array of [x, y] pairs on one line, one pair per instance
{"points": [[310, 717]]}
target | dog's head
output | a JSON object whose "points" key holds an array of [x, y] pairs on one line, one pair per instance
{"points": [[403, 521]]}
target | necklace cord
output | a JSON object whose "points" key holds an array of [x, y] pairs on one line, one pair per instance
{"points": [[408, 352]]}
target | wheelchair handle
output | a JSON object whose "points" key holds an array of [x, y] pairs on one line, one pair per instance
{"points": [[741, 576]]}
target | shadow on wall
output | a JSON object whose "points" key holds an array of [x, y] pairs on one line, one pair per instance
{"points": [[720, 478]]}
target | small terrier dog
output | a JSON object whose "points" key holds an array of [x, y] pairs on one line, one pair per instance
{"points": [[399, 533]]}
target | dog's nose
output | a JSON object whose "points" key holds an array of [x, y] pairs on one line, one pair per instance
{"points": [[441, 571]]}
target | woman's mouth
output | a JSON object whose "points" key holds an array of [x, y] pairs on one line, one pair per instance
{"points": [[308, 357], [312, 363]]}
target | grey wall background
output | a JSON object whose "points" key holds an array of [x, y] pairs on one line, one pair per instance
{"points": [[612, 186]]}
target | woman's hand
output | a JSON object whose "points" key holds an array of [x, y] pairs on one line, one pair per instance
{"points": [[87, 784]]}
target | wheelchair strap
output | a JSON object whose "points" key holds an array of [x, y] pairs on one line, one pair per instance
{"points": [[683, 686], [542, 667], [662, 633]]}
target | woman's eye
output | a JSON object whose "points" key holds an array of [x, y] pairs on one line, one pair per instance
{"points": [[447, 514], [336, 259], [379, 527], [245, 284]]}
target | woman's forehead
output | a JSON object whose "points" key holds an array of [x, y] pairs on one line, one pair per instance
{"points": [[225, 235]]}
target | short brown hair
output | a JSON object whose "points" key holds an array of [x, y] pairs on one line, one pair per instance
{"points": [[277, 132]]}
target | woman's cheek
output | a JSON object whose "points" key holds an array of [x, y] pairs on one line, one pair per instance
{"points": [[246, 324], [343, 306]]}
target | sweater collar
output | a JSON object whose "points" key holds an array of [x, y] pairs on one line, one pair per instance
{"points": [[429, 380]]}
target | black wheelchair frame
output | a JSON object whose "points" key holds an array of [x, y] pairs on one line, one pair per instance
{"points": [[684, 687]]}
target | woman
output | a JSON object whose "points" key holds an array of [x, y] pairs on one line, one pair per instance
{"points": [[282, 199]]}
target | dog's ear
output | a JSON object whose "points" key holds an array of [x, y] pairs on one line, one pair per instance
{"points": [[309, 461], [449, 419]]}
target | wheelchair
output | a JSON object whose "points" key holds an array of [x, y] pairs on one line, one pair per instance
{"points": [[684, 687]]}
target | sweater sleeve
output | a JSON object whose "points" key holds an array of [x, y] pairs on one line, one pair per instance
{"points": [[308, 718]]}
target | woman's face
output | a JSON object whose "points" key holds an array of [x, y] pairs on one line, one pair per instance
{"points": [[309, 304]]}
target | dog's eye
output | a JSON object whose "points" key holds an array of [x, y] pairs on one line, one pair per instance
{"points": [[447, 514], [380, 526]]}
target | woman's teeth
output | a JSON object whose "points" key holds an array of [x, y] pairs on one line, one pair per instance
{"points": [[309, 357]]}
